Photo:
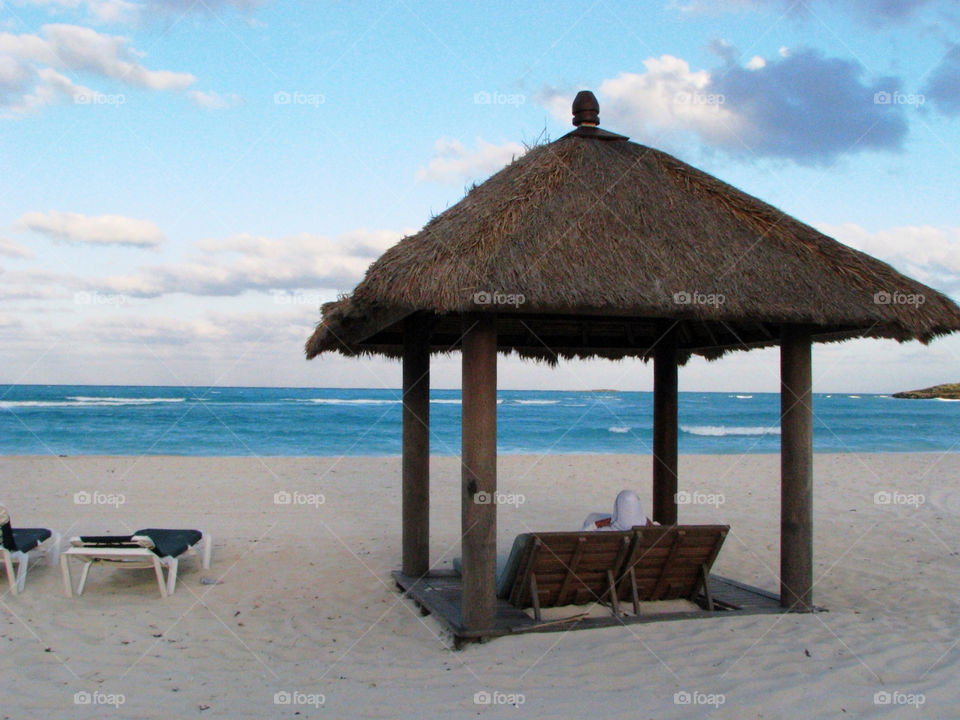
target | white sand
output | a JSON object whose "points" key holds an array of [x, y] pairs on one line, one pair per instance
{"points": [[307, 605]]}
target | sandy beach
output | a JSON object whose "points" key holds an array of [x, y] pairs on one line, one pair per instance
{"points": [[304, 603]]}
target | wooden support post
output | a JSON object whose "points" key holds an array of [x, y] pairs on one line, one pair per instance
{"points": [[479, 472], [416, 446], [634, 592], [665, 429], [612, 590], [705, 584], [796, 469]]}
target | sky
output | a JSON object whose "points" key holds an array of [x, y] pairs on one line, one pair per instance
{"points": [[183, 183]]}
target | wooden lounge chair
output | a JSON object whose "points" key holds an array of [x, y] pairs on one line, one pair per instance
{"points": [[149, 548], [16, 545], [565, 568], [667, 563]]}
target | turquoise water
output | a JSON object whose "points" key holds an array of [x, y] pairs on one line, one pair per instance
{"points": [[100, 420]]}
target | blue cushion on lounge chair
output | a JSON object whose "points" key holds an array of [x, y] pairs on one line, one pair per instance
{"points": [[166, 543], [26, 539], [6, 534], [507, 565], [108, 540], [171, 543], [508, 574]]}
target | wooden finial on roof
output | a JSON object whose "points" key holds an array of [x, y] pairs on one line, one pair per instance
{"points": [[586, 109]]}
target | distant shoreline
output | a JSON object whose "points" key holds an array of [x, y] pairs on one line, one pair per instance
{"points": [[398, 389], [439, 456], [948, 391]]}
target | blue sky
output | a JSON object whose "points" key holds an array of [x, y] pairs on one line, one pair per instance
{"points": [[182, 183]]}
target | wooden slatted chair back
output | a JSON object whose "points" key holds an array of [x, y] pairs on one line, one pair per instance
{"points": [[569, 568], [668, 563]]}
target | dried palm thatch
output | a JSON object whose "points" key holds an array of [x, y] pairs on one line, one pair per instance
{"points": [[588, 245]]}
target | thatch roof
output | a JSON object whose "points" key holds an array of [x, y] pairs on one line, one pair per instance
{"points": [[604, 240]]}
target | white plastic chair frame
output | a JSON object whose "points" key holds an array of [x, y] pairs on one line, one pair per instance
{"points": [[18, 579], [131, 558]]}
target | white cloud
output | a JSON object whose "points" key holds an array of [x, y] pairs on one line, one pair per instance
{"points": [[805, 107], [94, 230], [452, 162], [929, 254], [43, 60], [712, 7], [51, 88], [216, 332], [103, 11], [113, 11], [210, 100], [133, 12], [234, 265], [83, 49], [36, 284], [668, 96], [8, 322], [9, 248], [187, 5], [874, 12], [299, 270], [943, 84]]}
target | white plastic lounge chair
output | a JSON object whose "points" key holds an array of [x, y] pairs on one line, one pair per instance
{"points": [[18, 542], [149, 548]]}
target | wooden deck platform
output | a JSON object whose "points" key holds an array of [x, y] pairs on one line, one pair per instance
{"points": [[439, 594]]}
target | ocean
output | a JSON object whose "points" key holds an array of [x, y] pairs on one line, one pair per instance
{"points": [[103, 420]]}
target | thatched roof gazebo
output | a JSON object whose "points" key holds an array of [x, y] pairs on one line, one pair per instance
{"points": [[594, 246]]}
